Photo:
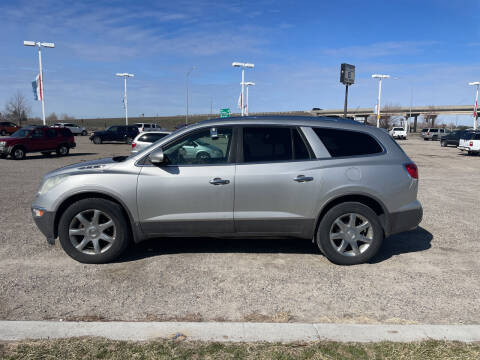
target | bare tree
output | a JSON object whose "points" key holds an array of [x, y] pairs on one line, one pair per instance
{"points": [[52, 118], [66, 117], [430, 117], [17, 109]]}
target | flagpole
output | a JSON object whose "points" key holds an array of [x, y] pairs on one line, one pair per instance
{"points": [[41, 82]]}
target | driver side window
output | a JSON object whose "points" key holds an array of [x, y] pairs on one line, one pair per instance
{"points": [[210, 146]]}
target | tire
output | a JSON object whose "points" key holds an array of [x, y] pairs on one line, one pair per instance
{"points": [[203, 156], [18, 153], [3, 133], [128, 140], [62, 150], [46, 153], [84, 133], [105, 251], [342, 213], [97, 140]]}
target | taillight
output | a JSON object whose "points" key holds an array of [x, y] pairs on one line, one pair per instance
{"points": [[133, 145], [471, 143], [428, 133], [412, 170], [143, 129]]}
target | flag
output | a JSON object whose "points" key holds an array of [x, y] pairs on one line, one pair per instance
{"points": [[37, 87], [240, 101], [475, 110]]}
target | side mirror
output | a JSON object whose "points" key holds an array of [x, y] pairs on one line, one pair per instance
{"points": [[157, 157]]}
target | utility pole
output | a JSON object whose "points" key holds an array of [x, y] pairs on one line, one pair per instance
{"points": [[125, 98], [42, 90], [475, 111], [380, 77], [243, 66]]}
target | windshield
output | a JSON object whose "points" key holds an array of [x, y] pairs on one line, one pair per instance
{"points": [[20, 133]]}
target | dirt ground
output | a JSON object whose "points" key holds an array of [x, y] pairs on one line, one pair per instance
{"points": [[429, 275]]}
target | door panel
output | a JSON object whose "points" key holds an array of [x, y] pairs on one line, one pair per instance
{"points": [[268, 200], [181, 200]]}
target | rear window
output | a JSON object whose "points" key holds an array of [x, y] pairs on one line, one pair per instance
{"points": [[433, 130], [152, 137], [341, 143], [397, 129], [424, 130], [146, 126]]}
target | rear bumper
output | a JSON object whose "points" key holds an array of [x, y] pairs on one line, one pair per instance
{"points": [[46, 224], [405, 220]]}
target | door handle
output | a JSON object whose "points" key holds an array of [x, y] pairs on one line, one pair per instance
{"points": [[303, 178], [219, 181]]}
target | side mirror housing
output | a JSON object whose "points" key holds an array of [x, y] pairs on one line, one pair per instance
{"points": [[157, 157]]}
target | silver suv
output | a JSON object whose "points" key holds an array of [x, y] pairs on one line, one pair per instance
{"points": [[344, 185]]}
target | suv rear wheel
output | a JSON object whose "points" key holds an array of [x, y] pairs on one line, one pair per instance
{"points": [[93, 231], [349, 233], [3, 133], [62, 150], [97, 140]]}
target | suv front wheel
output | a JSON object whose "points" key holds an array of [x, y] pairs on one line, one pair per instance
{"points": [[93, 231], [349, 233]]}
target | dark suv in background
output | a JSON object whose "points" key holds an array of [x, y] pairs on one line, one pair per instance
{"points": [[7, 127], [453, 138], [37, 139], [123, 133]]}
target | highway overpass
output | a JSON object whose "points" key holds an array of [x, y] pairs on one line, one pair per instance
{"points": [[406, 112]]}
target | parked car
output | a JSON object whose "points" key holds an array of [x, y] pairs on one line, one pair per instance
{"points": [[144, 140], [7, 127], [433, 133], [147, 127], [470, 142], [398, 133], [37, 139], [341, 183], [74, 128], [121, 133], [453, 138]]}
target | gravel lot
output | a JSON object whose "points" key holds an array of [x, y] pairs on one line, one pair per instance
{"points": [[430, 275]]}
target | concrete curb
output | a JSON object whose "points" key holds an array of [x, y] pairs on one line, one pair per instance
{"points": [[236, 331]]}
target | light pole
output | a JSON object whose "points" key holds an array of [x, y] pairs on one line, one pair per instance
{"points": [[125, 99], [248, 84], [380, 77], [188, 77], [475, 111], [243, 66], [41, 85]]}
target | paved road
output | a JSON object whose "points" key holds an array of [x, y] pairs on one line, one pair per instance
{"points": [[430, 275]]}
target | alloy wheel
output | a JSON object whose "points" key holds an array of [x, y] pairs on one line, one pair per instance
{"points": [[351, 234], [92, 232]]}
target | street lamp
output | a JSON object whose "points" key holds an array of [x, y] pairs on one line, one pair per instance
{"points": [[41, 85], [247, 84], [188, 77], [475, 112], [125, 99], [243, 66], [380, 77]]}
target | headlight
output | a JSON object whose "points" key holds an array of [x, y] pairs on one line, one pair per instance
{"points": [[3, 143], [50, 183]]}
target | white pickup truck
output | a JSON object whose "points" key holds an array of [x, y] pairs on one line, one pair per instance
{"points": [[470, 143], [398, 133]]}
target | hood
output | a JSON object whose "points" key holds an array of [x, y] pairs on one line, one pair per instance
{"points": [[9, 139], [92, 166]]}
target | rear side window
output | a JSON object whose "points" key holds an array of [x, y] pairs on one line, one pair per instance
{"points": [[347, 143], [272, 144], [51, 133], [151, 137], [65, 132]]}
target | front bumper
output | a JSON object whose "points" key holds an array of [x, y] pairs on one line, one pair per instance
{"points": [[407, 219], [46, 223]]}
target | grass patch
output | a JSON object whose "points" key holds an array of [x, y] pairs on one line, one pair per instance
{"points": [[99, 348]]}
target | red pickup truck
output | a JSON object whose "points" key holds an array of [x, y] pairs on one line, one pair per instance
{"points": [[37, 139], [7, 127]]}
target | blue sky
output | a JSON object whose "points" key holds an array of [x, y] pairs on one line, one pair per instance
{"points": [[297, 47]]}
